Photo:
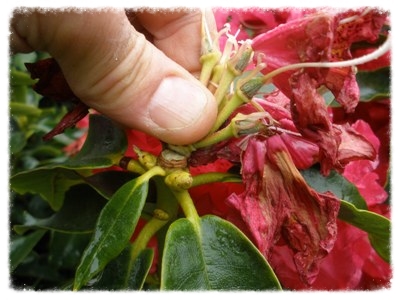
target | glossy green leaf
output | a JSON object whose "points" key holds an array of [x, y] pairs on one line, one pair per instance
{"points": [[353, 208], [335, 183], [21, 246], [120, 274], [105, 143], [82, 199], [50, 183], [374, 85], [213, 255], [65, 249], [139, 269], [114, 228], [377, 227], [108, 182]]}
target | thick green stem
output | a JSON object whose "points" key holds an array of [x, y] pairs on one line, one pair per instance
{"points": [[227, 78], [186, 203], [131, 165], [208, 61], [147, 232], [216, 137], [150, 173], [228, 109], [215, 177]]}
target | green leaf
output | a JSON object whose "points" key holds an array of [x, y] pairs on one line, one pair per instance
{"points": [[114, 228], [335, 183], [377, 227], [105, 143], [139, 269], [65, 249], [82, 199], [50, 183], [21, 246], [113, 277], [118, 275], [374, 85], [353, 208], [108, 182], [213, 255]]}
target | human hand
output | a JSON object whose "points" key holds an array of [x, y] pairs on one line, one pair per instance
{"points": [[111, 67]]}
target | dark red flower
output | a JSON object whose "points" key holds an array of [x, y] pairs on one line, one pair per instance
{"points": [[277, 202]]}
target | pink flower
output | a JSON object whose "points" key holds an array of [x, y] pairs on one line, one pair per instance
{"points": [[277, 202]]}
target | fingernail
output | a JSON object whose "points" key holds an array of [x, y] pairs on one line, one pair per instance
{"points": [[177, 103]]}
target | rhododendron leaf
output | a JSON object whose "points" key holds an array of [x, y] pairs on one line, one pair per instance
{"points": [[353, 208], [117, 275], [374, 85], [139, 269], [105, 143], [114, 228], [212, 254], [108, 182], [378, 227], [21, 246], [80, 198], [335, 183], [50, 183]]}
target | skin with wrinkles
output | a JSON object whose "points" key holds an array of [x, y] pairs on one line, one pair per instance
{"points": [[114, 69]]}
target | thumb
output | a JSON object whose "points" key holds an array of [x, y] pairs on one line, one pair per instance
{"points": [[115, 70]]}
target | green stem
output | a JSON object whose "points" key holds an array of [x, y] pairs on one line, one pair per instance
{"points": [[150, 173], [228, 109], [208, 61], [216, 137], [227, 78], [131, 165], [186, 203], [215, 177], [147, 232]]}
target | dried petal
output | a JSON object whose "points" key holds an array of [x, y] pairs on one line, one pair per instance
{"points": [[278, 202], [69, 120], [52, 84], [311, 117]]}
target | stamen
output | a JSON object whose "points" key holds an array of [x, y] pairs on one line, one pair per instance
{"points": [[205, 26]]}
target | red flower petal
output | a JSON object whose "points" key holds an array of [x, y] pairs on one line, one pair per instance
{"points": [[277, 201], [311, 117]]}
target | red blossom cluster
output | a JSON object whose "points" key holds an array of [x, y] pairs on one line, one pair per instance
{"points": [[294, 226]]}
